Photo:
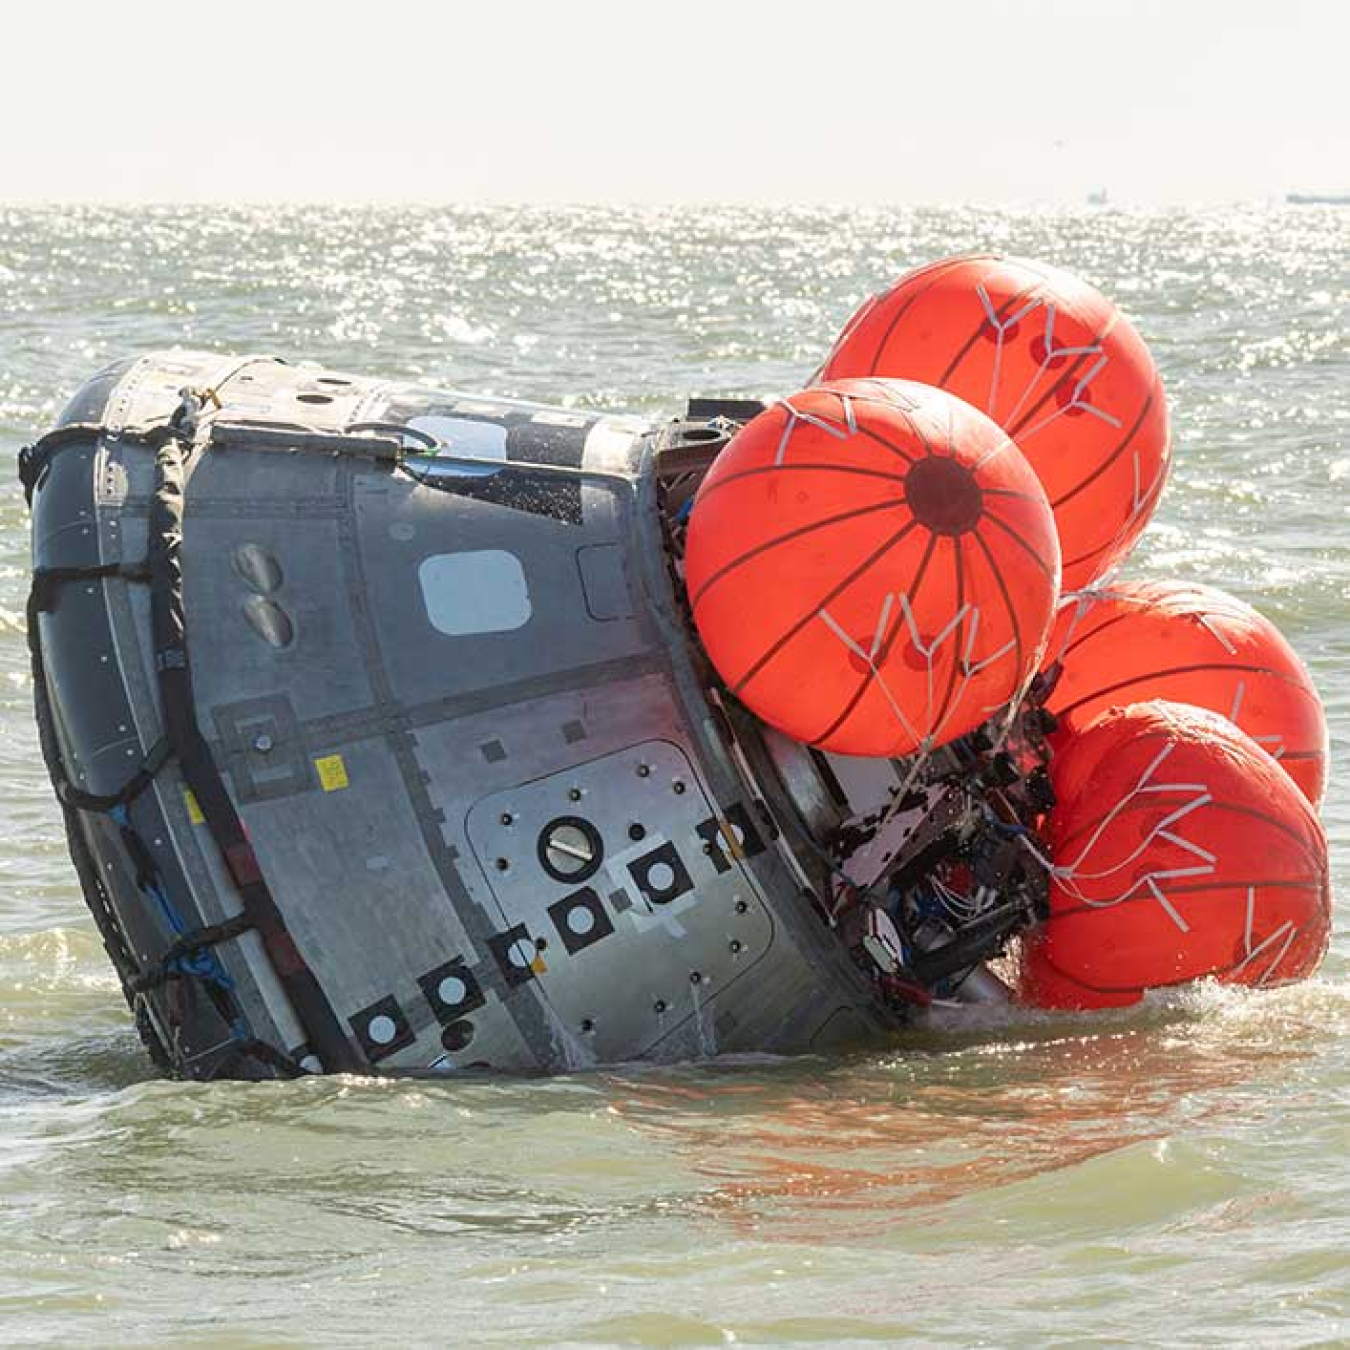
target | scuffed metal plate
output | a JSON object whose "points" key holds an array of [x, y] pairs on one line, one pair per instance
{"points": [[619, 900]]}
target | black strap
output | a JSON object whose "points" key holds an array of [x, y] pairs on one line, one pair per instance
{"points": [[187, 945], [169, 631], [48, 580], [33, 458], [266, 1054], [154, 761]]}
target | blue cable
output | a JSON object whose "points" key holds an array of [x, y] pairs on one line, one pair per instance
{"points": [[204, 963]]}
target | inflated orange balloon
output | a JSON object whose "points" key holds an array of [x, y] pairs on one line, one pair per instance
{"points": [[872, 567], [1055, 364], [1181, 850], [1192, 644]]}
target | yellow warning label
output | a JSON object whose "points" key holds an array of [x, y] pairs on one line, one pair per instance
{"points": [[332, 773], [194, 811]]}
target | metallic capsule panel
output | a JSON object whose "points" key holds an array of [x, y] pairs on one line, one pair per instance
{"points": [[458, 714]]}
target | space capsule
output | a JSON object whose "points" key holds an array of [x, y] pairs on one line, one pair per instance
{"points": [[399, 730], [384, 742]]}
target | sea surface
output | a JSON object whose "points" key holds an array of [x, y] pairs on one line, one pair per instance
{"points": [[1171, 1175]]}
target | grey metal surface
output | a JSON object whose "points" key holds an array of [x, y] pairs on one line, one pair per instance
{"points": [[410, 673]]}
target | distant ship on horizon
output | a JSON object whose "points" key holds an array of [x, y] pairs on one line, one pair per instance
{"points": [[1317, 198]]}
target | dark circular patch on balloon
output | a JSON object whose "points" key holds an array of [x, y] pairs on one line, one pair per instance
{"points": [[944, 495]]}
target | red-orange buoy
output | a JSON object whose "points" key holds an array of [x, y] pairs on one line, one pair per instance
{"points": [[872, 567], [1055, 364], [1181, 850], [1189, 643]]}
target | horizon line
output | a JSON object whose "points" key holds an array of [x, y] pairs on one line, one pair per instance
{"points": [[1087, 199]]}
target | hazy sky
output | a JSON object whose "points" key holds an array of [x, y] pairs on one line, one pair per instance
{"points": [[585, 100]]}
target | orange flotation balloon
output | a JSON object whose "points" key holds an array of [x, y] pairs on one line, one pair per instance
{"points": [[1181, 850], [872, 567], [1055, 364], [1192, 644]]}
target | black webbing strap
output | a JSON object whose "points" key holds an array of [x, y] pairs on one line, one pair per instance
{"points": [[48, 580], [188, 945], [33, 458], [269, 1055], [169, 631], [153, 762]]}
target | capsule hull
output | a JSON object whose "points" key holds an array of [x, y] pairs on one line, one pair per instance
{"points": [[438, 666]]}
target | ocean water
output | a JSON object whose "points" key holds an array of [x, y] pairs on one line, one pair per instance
{"points": [[1169, 1175]]}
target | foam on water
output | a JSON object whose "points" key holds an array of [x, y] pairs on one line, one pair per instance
{"points": [[1171, 1173]]}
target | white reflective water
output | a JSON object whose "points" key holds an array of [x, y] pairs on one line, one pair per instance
{"points": [[1175, 1174]]}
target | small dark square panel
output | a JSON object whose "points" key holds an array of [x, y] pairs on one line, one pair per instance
{"points": [[661, 875], [381, 1029], [573, 732], [493, 751], [515, 952], [580, 919], [452, 990]]}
